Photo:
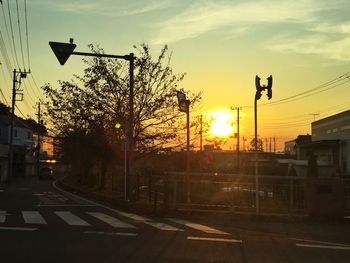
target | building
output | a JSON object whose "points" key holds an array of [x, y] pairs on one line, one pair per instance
{"points": [[291, 147], [331, 140], [22, 133], [22, 147]]}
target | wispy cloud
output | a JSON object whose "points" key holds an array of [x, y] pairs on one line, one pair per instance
{"points": [[109, 7], [317, 44], [202, 17]]}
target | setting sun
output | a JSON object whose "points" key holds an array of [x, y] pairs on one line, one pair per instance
{"points": [[221, 124]]}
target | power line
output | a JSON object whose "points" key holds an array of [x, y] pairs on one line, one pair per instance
{"points": [[13, 37], [8, 34], [306, 95], [20, 35], [25, 13], [2, 94], [39, 95], [310, 92]]}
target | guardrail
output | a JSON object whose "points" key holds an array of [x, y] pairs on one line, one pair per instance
{"points": [[231, 192]]}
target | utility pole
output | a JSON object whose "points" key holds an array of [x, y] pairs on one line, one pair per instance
{"points": [[238, 146], [266, 144], [274, 144], [314, 115], [39, 143], [270, 144], [15, 91], [201, 134]]}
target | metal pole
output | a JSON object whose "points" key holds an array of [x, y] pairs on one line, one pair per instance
{"points": [[39, 122], [130, 132], [256, 158], [188, 181], [10, 162], [201, 134], [238, 168]]}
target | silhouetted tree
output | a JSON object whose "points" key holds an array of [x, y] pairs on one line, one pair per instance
{"points": [[260, 145], [99, 99]]}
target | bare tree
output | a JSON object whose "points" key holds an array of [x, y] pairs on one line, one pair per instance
{"points": [[94, 103]]}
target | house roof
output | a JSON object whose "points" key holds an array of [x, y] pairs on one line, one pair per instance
{"points": [[6, 120]]}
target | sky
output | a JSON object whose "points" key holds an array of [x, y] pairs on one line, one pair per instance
{"points": [[220, 44]]}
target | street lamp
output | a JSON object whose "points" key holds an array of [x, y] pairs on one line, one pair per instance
{"points": [[259, 89], [184, 106], [63, 51]]}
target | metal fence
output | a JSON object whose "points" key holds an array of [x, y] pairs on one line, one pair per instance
{"points": [[230, 192]]}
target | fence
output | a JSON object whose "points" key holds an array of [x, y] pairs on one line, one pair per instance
{"points": [[230, 192]]}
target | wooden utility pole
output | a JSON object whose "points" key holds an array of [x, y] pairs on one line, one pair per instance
{"points": [[238, 136], [15, 91]]}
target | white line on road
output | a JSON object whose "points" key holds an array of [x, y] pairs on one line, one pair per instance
{"points": [[162, 226], [129, 215], [321, 242], [148, 221], [71, 219], [114, 234], [73, 205], [322, 246], [215, 239], [38, 194], [114, 222], [33, 217], [199, 227], [18, 228]]}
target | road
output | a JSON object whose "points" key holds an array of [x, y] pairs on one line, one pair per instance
{"points": [[40, 223]]}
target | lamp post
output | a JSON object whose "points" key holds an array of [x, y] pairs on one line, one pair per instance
{"points": [[63, 51], [184, 106], [259, 89]]}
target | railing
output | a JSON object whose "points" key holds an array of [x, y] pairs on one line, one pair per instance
{"points": [[230, 192]]}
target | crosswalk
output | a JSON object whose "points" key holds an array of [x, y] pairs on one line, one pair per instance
{"points": [[96, 218]]}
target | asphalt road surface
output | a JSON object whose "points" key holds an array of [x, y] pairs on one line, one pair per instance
{"points": [[41, 223]]}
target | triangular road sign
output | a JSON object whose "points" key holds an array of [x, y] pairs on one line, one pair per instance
{"points": [[62, 50]]}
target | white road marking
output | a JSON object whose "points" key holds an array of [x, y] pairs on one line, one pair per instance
{"points": [[3, 215], [323, 246], [73, 205], [132, 216], [215, 239], [114, 234], [38, 194], [321, 242], [114, 222], [33, 217], [162, 226], [199, 227], [18, 228], [71, 219], [150, 222]]}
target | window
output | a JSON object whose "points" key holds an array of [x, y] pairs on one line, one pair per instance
{"points": [[15, 132], [28, 135]]}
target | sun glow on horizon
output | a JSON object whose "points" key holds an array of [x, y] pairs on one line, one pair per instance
{"points": [[221, 124]]}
